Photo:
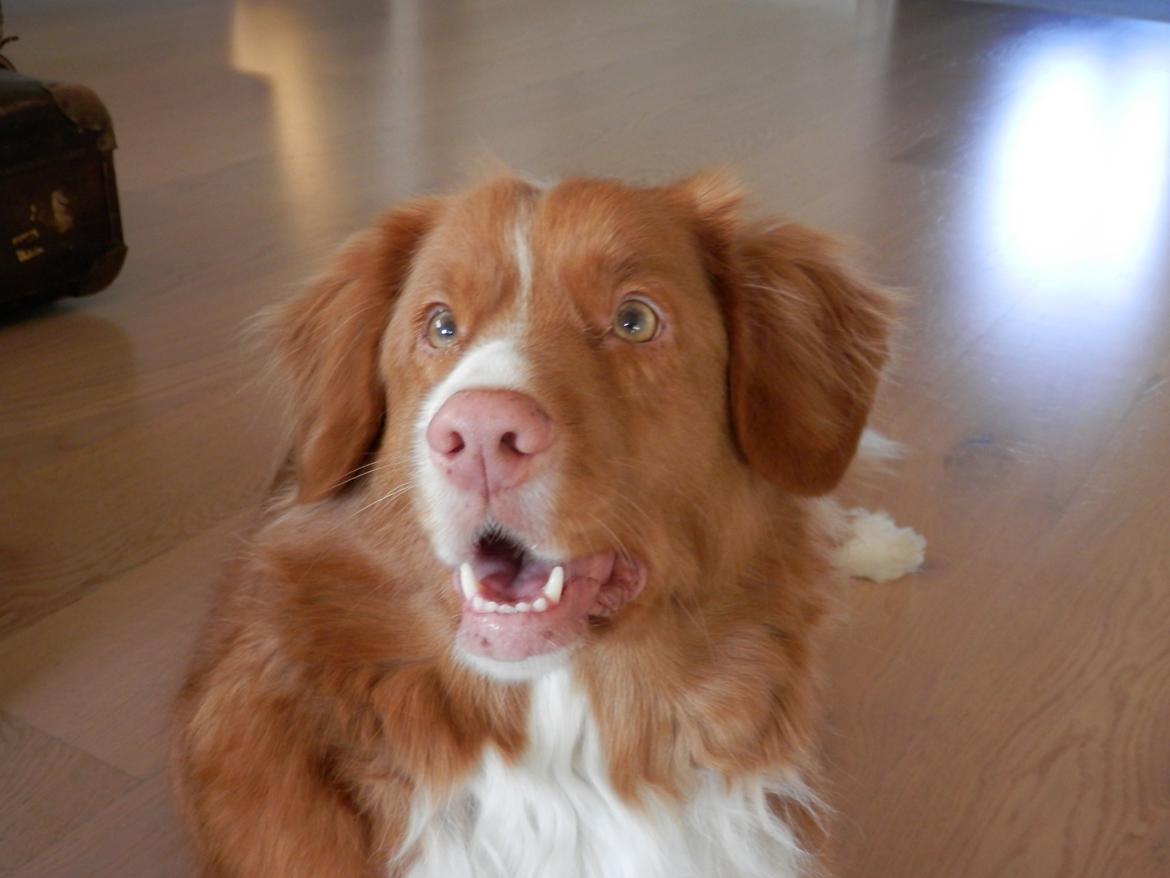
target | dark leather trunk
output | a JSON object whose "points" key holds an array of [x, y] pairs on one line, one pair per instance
{"points": [[60, 225]]}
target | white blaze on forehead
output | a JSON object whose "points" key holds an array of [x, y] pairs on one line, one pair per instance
{"points": [[522, 253], [495, 362], [493, 365]]}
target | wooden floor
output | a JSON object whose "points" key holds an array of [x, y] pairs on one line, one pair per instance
{"points": [[1006, 714]]}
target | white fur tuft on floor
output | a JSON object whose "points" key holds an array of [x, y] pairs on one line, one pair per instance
{"points": [[877, 549]]}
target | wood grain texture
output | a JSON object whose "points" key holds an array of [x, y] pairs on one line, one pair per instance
{"points": [[47, 788], [1006, 713], [101, 673], [138, 834]]}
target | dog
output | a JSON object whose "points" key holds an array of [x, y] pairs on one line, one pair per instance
{"points": [[542, 588]]}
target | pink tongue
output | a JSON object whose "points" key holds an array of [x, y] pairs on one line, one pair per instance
{"points": [[506, 579], [516, 636]]}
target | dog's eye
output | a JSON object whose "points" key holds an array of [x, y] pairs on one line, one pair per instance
{"points": [[441, 329], [635, 321]]}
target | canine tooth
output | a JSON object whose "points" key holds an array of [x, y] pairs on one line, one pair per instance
{"points": [[555, 585], [523, 607], [491, 607], [507, 608], [467, 581], [540, 605], [478, 604]]}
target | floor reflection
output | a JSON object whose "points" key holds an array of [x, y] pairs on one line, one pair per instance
{"points": [[350, 100], [1068, 218], [269, 40], [1078, 167]]}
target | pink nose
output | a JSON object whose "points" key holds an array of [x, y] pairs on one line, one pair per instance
{"points": [[489, 440]]}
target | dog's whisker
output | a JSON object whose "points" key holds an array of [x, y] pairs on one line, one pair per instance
{"points": [[392, 494]]}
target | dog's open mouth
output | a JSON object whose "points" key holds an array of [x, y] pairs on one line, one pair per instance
{"points": [[517, 605]]}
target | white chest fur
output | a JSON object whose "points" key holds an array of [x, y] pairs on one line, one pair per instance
{"points": [[554, 813]]}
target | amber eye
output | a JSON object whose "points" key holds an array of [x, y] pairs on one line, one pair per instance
{"points": [[441, 330], [635, 321]]}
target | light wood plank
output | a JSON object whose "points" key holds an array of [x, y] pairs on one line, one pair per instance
{"points": [[102, 673], [138, 836], [47, 788]]}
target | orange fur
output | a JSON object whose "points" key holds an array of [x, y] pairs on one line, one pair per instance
{"points": [[325, 696]]}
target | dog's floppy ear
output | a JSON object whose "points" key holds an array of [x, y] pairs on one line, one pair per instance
{"points": [[808, 340], [328, 343]]}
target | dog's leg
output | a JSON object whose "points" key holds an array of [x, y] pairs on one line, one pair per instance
{"points": [[254, 787]]}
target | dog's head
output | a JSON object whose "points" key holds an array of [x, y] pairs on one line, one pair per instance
{"points": [[572, 390]]}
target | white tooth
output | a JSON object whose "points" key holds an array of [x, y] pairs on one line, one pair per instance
{"points": [[523, 607], [540, 605], [555, 585], [478, 604], [491, 607], [467, 581], [507, 608]]}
